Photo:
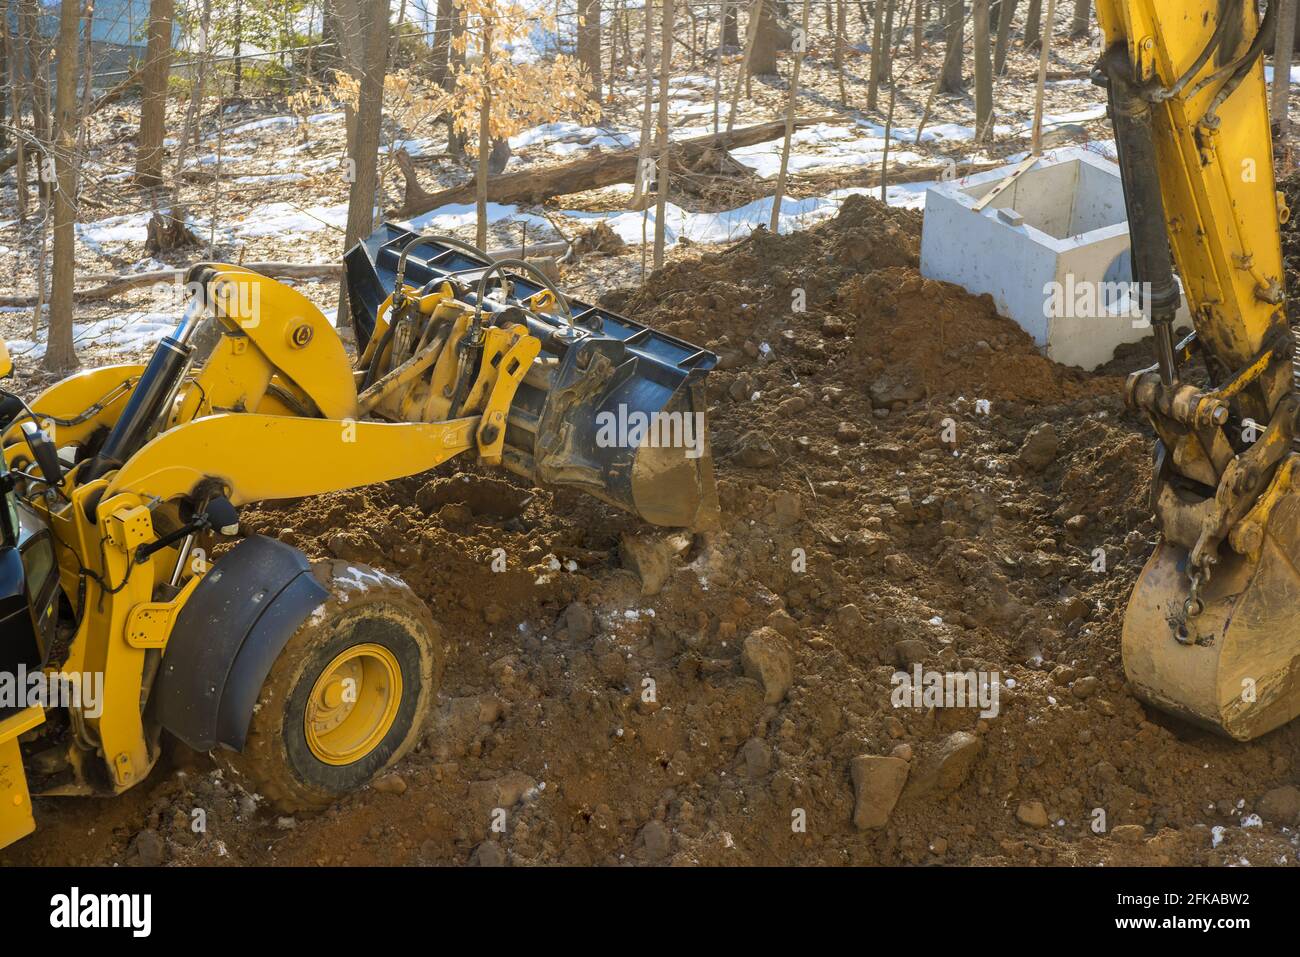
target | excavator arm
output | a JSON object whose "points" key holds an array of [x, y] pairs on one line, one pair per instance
{"points": [[1211, 629]]}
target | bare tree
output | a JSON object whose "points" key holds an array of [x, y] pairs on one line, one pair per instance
{"points": [[983, 72], [1082, 17], [153, 102], [1034, 25], [60, 351], [363, 146], [1282, 57], [762, 60], [439, 67], [17, 93], [1006, 13], [589, 43], [952, 79], [661, 138], [800, 45]]}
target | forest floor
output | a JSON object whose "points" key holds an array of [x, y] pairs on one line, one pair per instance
{"points": [[876, 515]]}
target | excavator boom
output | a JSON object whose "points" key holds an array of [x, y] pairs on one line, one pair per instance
{"points": [[1211, 629]]}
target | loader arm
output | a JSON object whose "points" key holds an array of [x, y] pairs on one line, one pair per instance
{"points": [[1211, 628]]}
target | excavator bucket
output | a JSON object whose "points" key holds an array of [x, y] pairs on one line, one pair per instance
{"points": [[609, 406], [1235, 667]]}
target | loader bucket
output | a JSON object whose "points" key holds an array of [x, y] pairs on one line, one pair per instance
{"points": [[610, 406]]}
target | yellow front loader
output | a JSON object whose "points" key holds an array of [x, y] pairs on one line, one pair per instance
{"points": [[308, 679], [1212, 631]]}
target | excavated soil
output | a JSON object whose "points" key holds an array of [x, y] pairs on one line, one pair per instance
{"points": [[904, 479]]}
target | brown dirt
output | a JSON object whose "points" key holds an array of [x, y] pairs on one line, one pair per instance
{"points": [[829, 425]]}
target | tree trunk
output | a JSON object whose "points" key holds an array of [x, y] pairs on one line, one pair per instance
{"points": [[589, 43], [1082, 16], [365, 148], [661, 174], [730, 26], [1282, 57], [239, 45], [875, 66], [762, 61], [1004, 35], [1034, 25], [952, 80], [800, 46], [39, 95], [439, 65], [153, 101], [17, 89], [983, 73], [484, 142], [60, 352]]}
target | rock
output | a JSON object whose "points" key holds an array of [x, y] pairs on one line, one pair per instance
{"points": [[576, 623], [488, 854], [898, 567], [658, 840], [887, 390], [1032, 814], [1129, 833], [849, 618], [651, 557], [877, 783], [946, 768], [910, 651], [1040, 447], [1085, 687], [390, 783], [787, 507], [1076, 523], [847, 433], [351, 546], [148, 847], [782, 622], [766, 658], [504, 792], [1281, 805], [758, 757], [754, 451]]}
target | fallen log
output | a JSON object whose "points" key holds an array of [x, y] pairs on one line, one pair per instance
{"points": [[116, 285], [591, 172]]}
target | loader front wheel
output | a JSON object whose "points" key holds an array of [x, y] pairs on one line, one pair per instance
{"points": [[348, 695]]}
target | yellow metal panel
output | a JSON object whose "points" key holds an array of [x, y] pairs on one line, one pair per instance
{"points": [[268, 457], [16, 819]]}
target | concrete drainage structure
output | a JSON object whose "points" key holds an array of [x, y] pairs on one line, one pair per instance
{"points": [[1052, 249]]}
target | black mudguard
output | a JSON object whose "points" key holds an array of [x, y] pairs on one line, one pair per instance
{"points": [[226, 638]]}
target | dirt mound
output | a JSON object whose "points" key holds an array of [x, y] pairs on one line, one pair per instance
{"points": [[743, 707]]}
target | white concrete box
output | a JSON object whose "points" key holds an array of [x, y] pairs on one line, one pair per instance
{"points": [[1052, 250]]}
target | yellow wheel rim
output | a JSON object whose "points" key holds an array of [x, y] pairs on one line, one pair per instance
{"points": [[353, 704]]}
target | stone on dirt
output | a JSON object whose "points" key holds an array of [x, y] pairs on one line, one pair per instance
{"points": [[945, 769], [488, 854], [766, 658], [149, 848], [576, 623], [877, 783], [1128, 833], [1281, 805], [1040, 447], [1032, 814], [652, 558], [658, 840], [390, 783]]}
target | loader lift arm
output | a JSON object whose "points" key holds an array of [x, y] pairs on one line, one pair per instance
{"points": [[1210, 630]]}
